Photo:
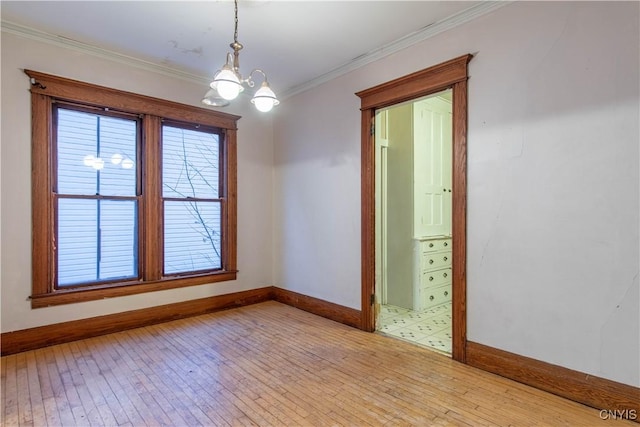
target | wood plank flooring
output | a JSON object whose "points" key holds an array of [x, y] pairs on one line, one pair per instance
{"points": [[268, 365]]}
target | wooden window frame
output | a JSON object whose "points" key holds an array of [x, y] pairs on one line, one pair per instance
{"points": [[47, 89]]}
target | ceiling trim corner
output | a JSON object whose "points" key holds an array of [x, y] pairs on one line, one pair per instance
{"points": [[68, 43], [399, 44]]}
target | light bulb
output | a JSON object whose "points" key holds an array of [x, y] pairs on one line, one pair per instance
{"points": [[98, 163], [227, 84], [213, 99], [116, 158], [263, 104], [127, 163], [89, 159], [264, 99]]}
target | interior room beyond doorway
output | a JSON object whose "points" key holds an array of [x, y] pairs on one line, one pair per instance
{"points": [[414, 220]]}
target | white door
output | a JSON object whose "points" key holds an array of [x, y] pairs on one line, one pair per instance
{"points": [[432, 167]]}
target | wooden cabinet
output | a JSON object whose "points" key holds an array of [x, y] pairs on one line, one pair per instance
{"points": [[432, 281]]}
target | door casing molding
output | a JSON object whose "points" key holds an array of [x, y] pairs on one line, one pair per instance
{"points": [[450, 74]]}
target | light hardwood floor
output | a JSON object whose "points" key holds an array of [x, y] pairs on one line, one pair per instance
{"points": [[265, 364]]}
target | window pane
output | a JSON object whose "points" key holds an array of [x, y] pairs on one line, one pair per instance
{"points": [[192, 236], [190, 163], [97, 240], [96, 154]]}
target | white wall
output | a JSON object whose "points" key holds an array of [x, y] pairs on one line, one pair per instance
{"points": [[553, 170], [255, 171], [400, 206]]}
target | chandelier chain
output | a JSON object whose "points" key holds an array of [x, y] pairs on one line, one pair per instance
{"points": [[235, 33]]}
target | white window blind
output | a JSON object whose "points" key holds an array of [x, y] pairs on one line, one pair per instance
{"points": [[96, 205], [191, 203]]}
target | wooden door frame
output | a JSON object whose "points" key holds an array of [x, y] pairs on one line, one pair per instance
{"points": [[450, 74]]}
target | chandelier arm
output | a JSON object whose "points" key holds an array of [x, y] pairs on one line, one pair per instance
{"points": [[250, 81], [258, 70]]}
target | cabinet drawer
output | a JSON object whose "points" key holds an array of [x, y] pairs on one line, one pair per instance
{"points": [[436, 245], [435, 260], [435, 296], [435, 278]]}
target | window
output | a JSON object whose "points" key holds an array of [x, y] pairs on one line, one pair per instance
{"points": [[192, 206], [95, 197], [130, 194]]}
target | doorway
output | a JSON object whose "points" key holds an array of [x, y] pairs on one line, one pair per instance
{"points": [[451, 74], [413, 220]]}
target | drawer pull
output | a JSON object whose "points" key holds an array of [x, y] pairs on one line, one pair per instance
{"points": [[430, 245], [445, 258], [446, 293], [431, 297], [446, 244], [431, 278], [445, 275], [430, 261]]}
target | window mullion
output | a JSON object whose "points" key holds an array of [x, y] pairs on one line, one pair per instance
{"points": [[229, 204], [152, 198]]}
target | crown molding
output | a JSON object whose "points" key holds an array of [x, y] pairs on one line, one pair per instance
{"points": [[65, 42], [374, 55], [399, 44]]}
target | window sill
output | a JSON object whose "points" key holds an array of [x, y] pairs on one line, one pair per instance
{"points": [[71, 296]]}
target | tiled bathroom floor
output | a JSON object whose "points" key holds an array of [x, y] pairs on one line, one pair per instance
{"points": [[431, 328]]}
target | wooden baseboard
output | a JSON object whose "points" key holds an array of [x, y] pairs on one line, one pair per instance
{"points": [[338, 313], [596, 392], [43, 336], [592, 391]]}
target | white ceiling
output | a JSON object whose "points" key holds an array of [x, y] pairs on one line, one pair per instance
{"points": [[294, 42]]}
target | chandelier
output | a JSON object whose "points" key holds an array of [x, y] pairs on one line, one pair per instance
{"points": [[228, 82]]}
